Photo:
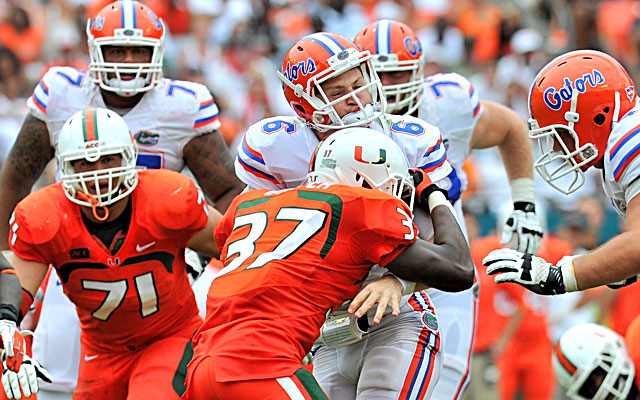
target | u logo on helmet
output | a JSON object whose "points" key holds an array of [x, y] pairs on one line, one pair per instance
{"points": [[554, 98], [358, 156], [301, 68], [413, 46]]}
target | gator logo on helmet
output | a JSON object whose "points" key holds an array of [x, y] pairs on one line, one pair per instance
{"points": [[146, 138], [413, 46], [554, 98]]}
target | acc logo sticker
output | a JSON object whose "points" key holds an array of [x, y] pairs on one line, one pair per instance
{"points": [[554, 98], [146, 138], [430, 321]]}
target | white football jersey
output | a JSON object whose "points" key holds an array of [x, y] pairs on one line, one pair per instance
{"points": [[162, 123], [622, 162], [450, 103], [275, 152]]}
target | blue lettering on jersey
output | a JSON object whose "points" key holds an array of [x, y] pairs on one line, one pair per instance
{"points": [[302, 68], [554, 98]]}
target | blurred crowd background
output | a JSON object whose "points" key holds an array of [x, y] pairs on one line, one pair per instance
{"points": [[235, 46]]}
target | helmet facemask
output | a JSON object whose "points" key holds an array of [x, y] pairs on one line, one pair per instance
{"points": [[607, 377], [145, 75], [325, 117], [403, 95], [120, 181]]}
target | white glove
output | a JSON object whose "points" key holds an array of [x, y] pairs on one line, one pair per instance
{"points": [[522, 231], [26, 378], [19, 371], [532, 272]]}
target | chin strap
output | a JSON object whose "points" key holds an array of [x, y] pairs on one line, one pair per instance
{"points": [[94, 204]]}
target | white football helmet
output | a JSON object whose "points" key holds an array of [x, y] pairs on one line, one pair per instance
{"points": [[591, 362], [125, 23], [363, 157], [89, 135]]}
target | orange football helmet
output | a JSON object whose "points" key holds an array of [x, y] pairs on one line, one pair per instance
{"points": [[125, 23], [313, 60], [395, 47], [574, 104]]}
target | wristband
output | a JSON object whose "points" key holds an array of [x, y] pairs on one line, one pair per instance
{"points": [[9, 312], [7, 253], [569, 277], [407, 286], [522, 190], [437, 198]]}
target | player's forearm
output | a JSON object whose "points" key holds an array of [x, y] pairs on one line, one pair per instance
{"points": [[516, 150], [445, 264], [616, 260]]}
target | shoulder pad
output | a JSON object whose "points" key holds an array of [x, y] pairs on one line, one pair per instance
{"points": [[33, 221], [195, 100], [171, 200], [57, 81]]}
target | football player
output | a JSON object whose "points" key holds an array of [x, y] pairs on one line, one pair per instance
{"points": [[592, 362], [174, 123], [331, 85], [584, 114], [290, 256], [449, 102], [116, 237]]}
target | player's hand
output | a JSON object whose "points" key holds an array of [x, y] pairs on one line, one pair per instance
{"points": [[522, 231], [527, 270], [19, 371], [386, 292], [424, 187], [24, 380]]}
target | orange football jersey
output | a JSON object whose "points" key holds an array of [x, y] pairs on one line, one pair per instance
{"points": [[137, 295], [289, 257]]}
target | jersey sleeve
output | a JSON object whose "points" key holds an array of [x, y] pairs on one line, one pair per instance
{"points": [[32, 229], [179, 204], [386, 229], [423, 146], [206, 118], [454, 102], [622, 161], [273, 154], [54, 85]]}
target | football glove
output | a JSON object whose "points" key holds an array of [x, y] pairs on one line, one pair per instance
{"points": [[527, 270], [19, 371], [424, 187], [521, 230]]}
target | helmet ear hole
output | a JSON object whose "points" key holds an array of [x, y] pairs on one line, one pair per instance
{"points": [[599, 119]]}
